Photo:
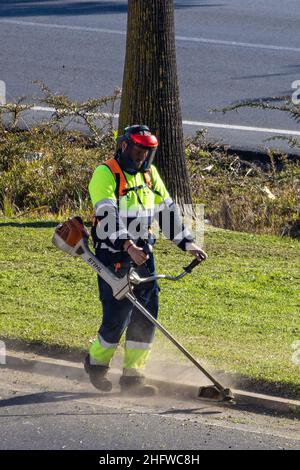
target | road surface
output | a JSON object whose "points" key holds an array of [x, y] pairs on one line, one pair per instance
{"points": [[228, 50], [41, 411]]}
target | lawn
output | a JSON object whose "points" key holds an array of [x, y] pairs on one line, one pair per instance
{"points": [[240, 310]]}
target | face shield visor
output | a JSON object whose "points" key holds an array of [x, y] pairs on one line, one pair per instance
{"points": [[137, 158], [140, 151]]}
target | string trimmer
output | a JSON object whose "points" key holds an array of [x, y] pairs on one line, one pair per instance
{"points": [[72, 238]]}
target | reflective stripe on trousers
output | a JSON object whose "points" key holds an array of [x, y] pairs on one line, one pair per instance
{"points": [[120, 316]]}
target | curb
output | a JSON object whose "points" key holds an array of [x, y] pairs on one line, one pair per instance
{"points": [[244, 399], [74, 371]]}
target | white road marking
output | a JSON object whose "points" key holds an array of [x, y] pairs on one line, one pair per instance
{"points": [[242, 128], [265, 130], [65, 26], [42, 108], [199, 40], [222, 42]]}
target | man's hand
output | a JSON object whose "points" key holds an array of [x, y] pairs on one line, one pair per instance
{"points": [[196, 251], [137, 254]]}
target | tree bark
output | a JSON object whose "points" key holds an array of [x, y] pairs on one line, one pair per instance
{"points": [[150, 88]]}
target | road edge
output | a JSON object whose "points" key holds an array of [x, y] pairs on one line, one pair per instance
{"points": [[46, 365]]}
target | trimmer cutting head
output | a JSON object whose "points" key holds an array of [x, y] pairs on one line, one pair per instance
{"points": [[213, 393]]}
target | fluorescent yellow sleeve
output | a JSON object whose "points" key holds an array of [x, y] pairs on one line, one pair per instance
{"points": [[102, 185]]}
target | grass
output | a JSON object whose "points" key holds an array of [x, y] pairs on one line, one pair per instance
{"points": [[239, 311]]}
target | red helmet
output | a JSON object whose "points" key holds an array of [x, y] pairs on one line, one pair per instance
{"points": [[141, 136]]}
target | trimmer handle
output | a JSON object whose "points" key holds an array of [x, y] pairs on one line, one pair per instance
{"points": [[192, 265]]}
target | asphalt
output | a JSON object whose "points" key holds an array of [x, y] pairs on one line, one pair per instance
{"points": [[64, 421], [42, 411], [228, 51]]}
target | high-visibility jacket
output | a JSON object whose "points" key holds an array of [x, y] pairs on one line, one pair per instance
{"points": [[141, 203]]}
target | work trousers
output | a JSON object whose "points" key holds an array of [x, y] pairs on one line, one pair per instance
{"points": [[119, 317]]}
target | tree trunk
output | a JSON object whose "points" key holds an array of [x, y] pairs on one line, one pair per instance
{"points": [[150, 88]]}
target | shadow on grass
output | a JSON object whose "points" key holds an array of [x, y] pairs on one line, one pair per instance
{"points": [[37, 224], [54, 351]]}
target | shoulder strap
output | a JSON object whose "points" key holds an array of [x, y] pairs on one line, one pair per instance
{"points": [[148, 178], [122, 185], [149, 181]]}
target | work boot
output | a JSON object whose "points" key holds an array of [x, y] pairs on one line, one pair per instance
{"points": [[97, 374], [136, 385]]}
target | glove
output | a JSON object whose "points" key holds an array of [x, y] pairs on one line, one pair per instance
{"points": [[196, 251], [137, 254]]}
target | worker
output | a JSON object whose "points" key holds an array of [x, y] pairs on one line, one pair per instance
{"points": [[128, 193]]}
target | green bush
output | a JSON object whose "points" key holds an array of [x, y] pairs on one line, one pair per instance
{"points": [[244, 196], [51, 170], [48, 168]]}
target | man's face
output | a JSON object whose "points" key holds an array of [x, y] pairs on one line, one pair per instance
{"points": [[138, 155]]}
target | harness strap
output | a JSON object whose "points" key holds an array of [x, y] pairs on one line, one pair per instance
{"points": [[121, 181], [135, 188], [122, 187], [122, 184], [148, 178]]}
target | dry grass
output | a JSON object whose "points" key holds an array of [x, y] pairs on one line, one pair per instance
{"points": [[45, 171]]}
